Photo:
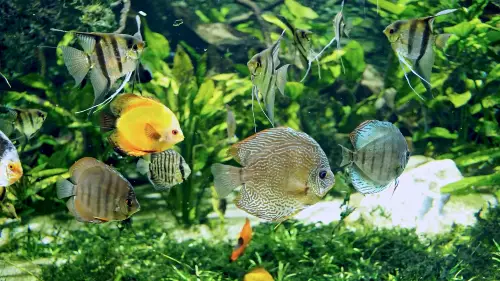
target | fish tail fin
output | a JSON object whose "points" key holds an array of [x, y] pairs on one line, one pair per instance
{"points": [[77, 62], [347, 156], [142, 166], [442, 39], [226, 178], [107, 122], [64, 188], [281, 78]]}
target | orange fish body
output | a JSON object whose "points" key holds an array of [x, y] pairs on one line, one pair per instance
{"points": [[243, 241], [144, 125], [258, 274]]}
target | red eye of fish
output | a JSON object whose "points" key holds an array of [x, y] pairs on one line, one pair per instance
{"points": [[175, 132]]}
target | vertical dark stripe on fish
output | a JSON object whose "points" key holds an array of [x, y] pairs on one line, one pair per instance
{"points": [[117, 53], [301, 47], [381, 167], [181, 168], [107, 195], [102, 61], [425, 41], [372, 163], [99, 196], [411, 36]]}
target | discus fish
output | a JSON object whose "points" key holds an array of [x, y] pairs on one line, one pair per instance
{"points": [[258, 274], [243, 240], [302, 42], [231, 124], [26, 121], [340, 27], [107, 56], [380, 156], [98, 193], [164, 169], [283, 172], [266, 77], [413, 40], [141, 125], [10, 165]]}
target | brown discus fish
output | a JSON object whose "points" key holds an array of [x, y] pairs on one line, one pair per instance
{"points": [[283, 172], [380, 156], [98, 192]]}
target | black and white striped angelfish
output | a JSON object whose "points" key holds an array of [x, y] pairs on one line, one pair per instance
{"points": [[25, 121], [266, 77], [107, 56], [380, 156], [302, 42], [413, 40], [164, 169]]}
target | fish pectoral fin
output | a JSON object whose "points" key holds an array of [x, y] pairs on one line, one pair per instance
{"points": [[281, 78], [151, 132], [77, 62], [363, 183], [101, 219]]}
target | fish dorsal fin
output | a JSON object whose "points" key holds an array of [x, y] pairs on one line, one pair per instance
{"points": [[252, 148], [86, 41], [81, 165], [275, 49], [444, 12], [369, 131], [128, 101], [138, 33]]}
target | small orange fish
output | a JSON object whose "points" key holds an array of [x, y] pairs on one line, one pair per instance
{"points": [[243, 241], [142, 125], [258, 274]]}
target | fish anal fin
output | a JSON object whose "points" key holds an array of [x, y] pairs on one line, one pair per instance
{"points": [[281, 78], [363, 183], [77, 62], [101, 220], [151, 132], [100, 83], [424, 66]]}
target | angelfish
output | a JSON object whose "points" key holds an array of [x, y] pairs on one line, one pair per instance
{"points": [[266, 77], [340, 27], [107, 56], [413, 40], [380, 156], [302, 42]]}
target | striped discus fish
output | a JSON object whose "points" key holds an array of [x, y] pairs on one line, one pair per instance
{"points": [[165, 169], [107, 56], [414, 40], [266, 77], [26, 121], [380, 156], [98, 193], [302, 42], [10, 166], [283, 172]]}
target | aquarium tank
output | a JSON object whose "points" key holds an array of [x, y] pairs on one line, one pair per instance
{"points": [[254, 140]]}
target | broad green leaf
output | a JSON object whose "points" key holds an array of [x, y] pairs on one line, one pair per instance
{"points": [[156, 44], [354, 60], [183, 67], [34, 80], [436, 132], [388, 6], [478, 157], [202, 16], [223, 76], [269, 17], [459, 100], [471, 182], [294, 89], [205, 92], [463, 29], [491, 101], [299, 10]]}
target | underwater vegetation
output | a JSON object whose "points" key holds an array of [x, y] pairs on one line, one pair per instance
{"points": [[195, 63]]}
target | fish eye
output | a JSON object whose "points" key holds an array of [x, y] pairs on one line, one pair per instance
{"points": [[391, 31], [129, 202], [175, 132], [134, 47], [322, 174], [11, 167]]}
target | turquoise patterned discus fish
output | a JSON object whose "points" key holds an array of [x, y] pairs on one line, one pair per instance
{"points": [[380, 156]]}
